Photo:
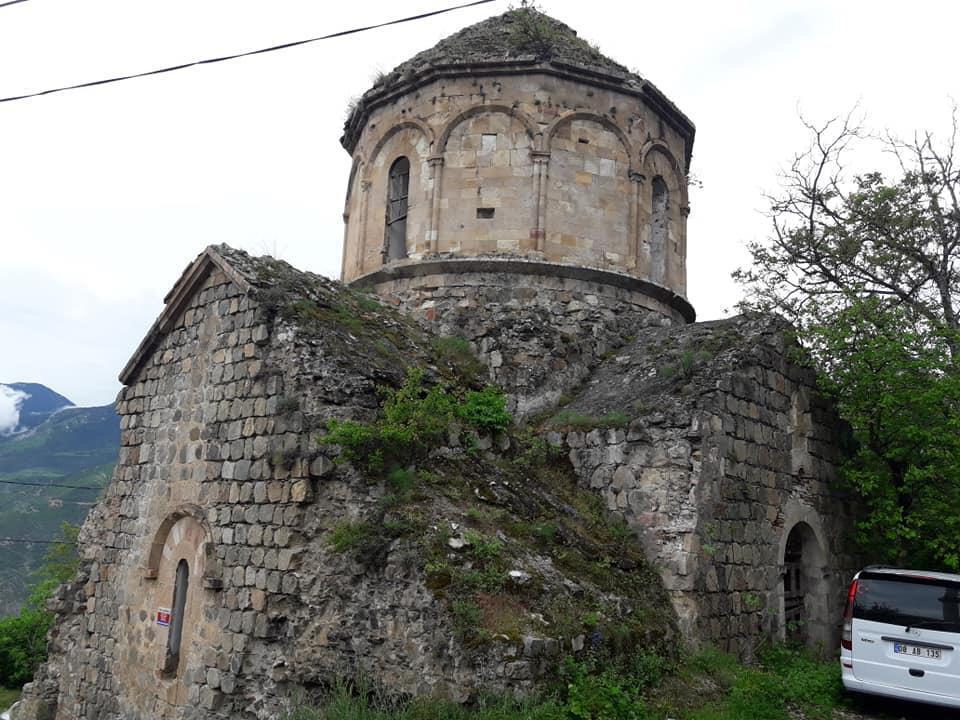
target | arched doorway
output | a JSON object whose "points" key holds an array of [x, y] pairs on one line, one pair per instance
{"points": [[794, 586], [804, 587]]}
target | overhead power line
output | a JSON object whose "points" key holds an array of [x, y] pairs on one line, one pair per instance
{"points": [[11, 2], [50, 485], [224, 58], [37, 542]]}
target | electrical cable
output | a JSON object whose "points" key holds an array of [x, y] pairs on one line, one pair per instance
{"points": [[50, 485], [10, 2], [224, 58], [37, 542]]}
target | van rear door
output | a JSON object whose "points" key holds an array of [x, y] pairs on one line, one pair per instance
{"points": [[906, 632]]}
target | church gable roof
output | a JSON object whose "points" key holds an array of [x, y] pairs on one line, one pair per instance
{"points": [[175, 302], [327, 318]]}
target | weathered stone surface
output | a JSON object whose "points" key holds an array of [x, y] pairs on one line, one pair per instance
{"points": [[714, 485], [268, 601], [548, 231], [546, 154]]}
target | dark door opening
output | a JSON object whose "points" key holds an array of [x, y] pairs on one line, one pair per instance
{"points": [[794, 590]]}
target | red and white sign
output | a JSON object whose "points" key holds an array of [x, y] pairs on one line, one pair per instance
{"points": [[163, 616]]}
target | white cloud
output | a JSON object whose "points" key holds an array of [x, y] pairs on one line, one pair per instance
{"points": [[10, 402]]}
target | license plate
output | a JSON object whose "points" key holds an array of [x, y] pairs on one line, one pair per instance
{"points": [[916, 651]]}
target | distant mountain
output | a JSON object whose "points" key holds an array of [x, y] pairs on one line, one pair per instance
{"points": [[68, 446], [35, 404]]}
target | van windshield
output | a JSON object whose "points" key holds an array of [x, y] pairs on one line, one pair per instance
{"points": [[909, 602]]}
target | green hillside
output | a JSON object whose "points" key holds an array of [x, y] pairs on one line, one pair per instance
{"points": [[76, 446]]}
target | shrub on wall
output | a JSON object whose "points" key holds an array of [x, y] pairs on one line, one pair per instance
{"points": [[415, 419]]}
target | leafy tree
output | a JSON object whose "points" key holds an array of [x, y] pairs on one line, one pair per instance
{"points": [[23, 637], [837, 239], [891, 385], [865, 265]]}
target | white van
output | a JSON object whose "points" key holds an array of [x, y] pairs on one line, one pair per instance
{"points": [[901, 635]]}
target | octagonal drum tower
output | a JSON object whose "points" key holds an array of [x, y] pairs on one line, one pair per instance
{"points": [[514, 163]]}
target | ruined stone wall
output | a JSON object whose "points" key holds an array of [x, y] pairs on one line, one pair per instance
{"points": [[195, 480], [220, 467], [725, 449], [531, 164], [725, 456], [538, 335]]}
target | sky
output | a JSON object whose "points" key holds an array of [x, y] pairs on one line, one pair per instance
{"points": [[106, 194]]}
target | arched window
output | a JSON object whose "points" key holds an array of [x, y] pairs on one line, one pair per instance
{"points": [[178, 607], [398, 188], [658, 230]]}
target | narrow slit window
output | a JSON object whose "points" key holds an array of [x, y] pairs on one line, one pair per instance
{"points": [[397, 195], [659, 230], [583, 141], [485, 213], [178, 608]]}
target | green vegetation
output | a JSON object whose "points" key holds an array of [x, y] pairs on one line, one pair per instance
{"points": [[414, 420], [864, 266], [23, 644], [8, 697], [349, 535], [787, 683], [457, 353], [485, 410], [474, 519], [534, 33], [686, 364], [75, 447]]}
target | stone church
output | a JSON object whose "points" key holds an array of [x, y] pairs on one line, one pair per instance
{"points": [[513, 188]]}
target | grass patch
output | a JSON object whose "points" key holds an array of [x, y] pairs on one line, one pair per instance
{"points": [[347, 536], [710, 685], [356, 701], [686, 364], [8, 697], [458, 354]]}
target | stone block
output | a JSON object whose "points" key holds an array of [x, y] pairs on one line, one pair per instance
{"points": [[301, 491], [210, 699]]}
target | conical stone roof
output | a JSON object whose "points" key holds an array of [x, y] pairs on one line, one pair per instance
{"points": [[519, 40], [522, 34]]}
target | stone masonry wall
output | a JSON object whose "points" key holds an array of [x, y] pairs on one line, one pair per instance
{"points": [[220, 467], [530, 164], [539, 336], [728, 449], [726, 455]]}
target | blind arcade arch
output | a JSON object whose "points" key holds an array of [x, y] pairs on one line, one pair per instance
{"points": [[659, 229]]}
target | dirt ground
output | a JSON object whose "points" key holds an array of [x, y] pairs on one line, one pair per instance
{"points": [[875, 708]]}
